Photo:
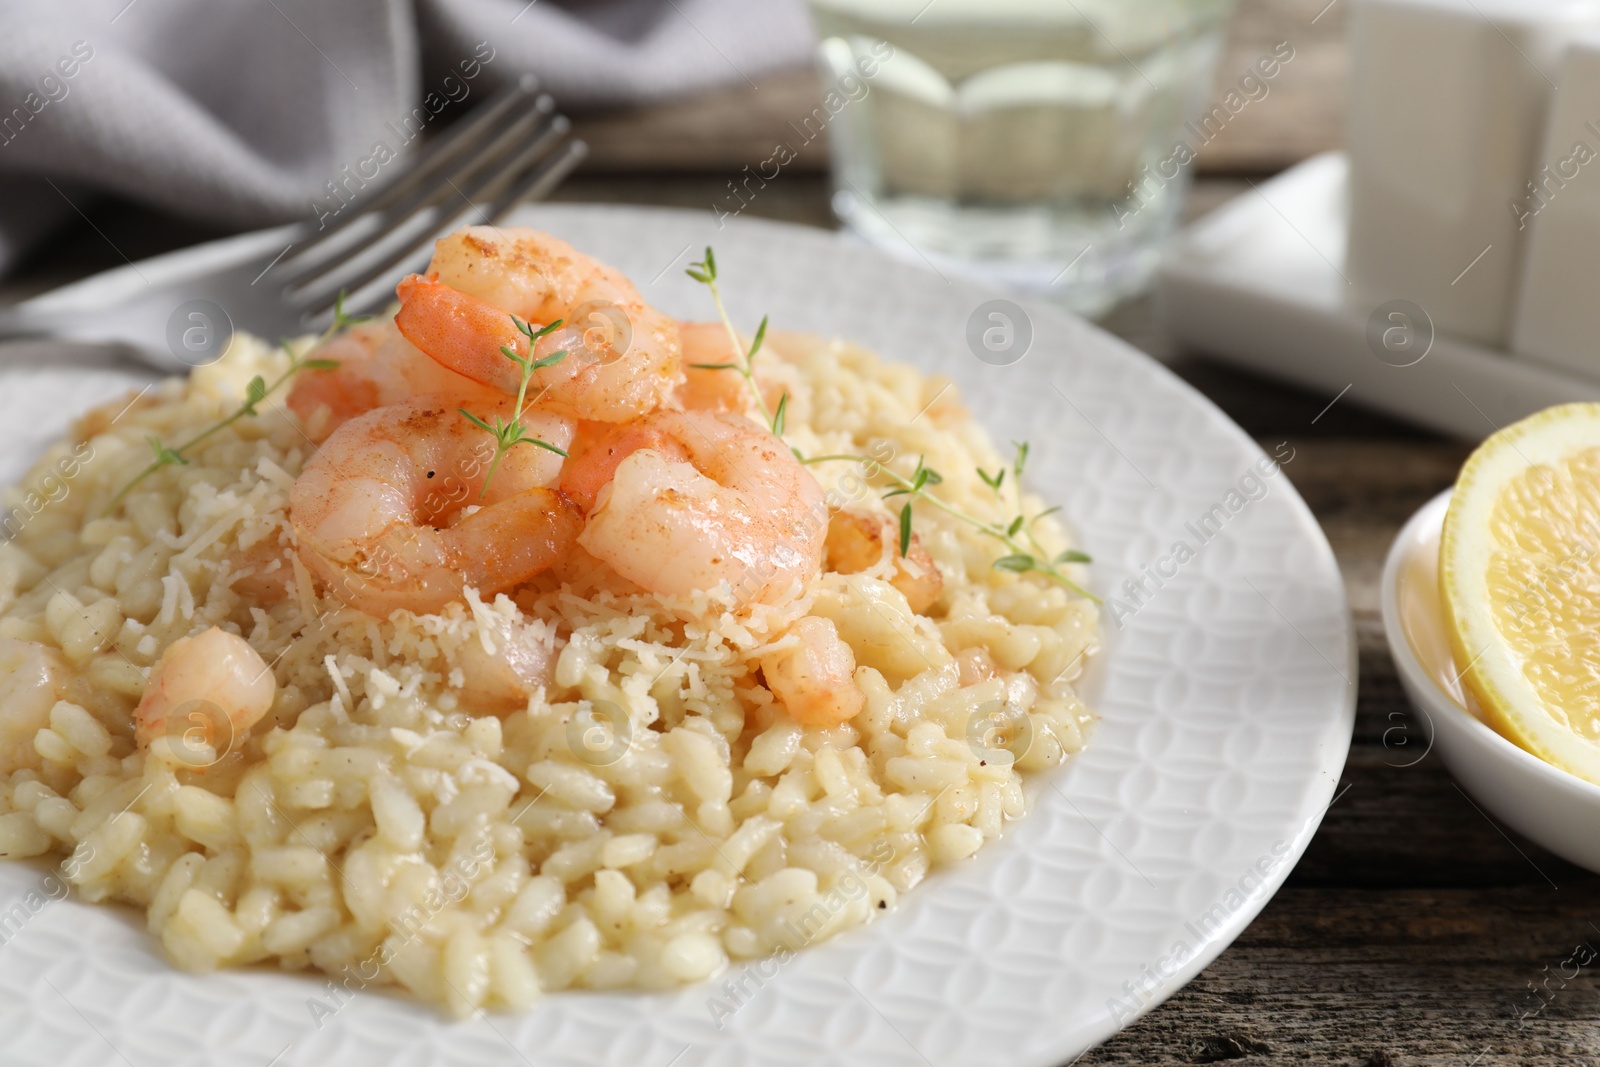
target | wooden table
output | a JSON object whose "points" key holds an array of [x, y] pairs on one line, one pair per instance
{"points": [[1415, 929]]}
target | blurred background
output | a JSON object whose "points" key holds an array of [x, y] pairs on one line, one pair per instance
{"points": [[178, 129]]}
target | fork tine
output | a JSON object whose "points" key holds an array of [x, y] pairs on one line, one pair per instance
{"points": [[388, 228], [402, 235], [536, 182], [445, 152], [458, 139], [358, 272]]}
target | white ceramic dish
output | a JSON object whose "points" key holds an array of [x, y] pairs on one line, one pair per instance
{"points": [[1227, 702], [1543, 803], [1260, 282]]}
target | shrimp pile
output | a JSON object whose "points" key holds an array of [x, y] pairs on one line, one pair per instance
{"points": [[675, 491], [513, 652]]}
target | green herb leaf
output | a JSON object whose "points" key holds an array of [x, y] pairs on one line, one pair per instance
{"points": [[761, 335], [320, 364], [527, 330], [255, 393], [1016, 564], [1016, 524], [778, 416], [704, 272], [895, 492], [546, 445], [992, 481], [905, 529], [164, 455], [1072, 555], [509, 434], [1046, 511], [470, 417], [342, 321], [1022, 458]]}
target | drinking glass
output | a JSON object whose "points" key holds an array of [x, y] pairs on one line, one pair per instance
{"points": [[1045, 145]]}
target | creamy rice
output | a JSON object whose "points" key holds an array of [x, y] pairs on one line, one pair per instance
{"points": [[644, 820]]}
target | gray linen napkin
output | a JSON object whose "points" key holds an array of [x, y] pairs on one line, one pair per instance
{"points": [[241, 112]]}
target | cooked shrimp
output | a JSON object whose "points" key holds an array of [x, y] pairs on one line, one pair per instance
{"points": [[858, 540], [32, 678], [387, 514], [263, 573], [216, 685], [522, 659], [680, 502], [586, 436], [707, 343], [815, 679], [377, 367], [622, 354]]}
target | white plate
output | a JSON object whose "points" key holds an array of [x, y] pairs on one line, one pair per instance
{"points": [[1260, 282], [1227, 704]]}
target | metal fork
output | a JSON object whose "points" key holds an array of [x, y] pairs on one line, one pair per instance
{"points": [[512, 148]]}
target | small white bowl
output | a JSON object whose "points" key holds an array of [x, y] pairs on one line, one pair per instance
{"points": [[1543, 803]]}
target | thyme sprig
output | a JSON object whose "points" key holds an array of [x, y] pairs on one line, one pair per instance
{"points": [[1025, 554], [254, 394], [508, 434], [705, 272]]}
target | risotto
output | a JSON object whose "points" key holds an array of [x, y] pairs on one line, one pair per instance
{"points": [[408, 808]]}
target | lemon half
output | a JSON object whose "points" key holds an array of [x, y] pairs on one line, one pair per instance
{"points": [[1519, 577]]}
